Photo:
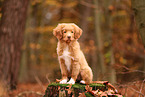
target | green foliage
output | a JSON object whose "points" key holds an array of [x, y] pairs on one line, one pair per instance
{"points": [[79, 86], [96, 84], [58, 84], [88, 95]]}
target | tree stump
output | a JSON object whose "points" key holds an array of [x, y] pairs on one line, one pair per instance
{"points": [[80, 90]]}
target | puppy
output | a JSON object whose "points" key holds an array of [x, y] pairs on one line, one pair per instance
{"points": [[71, 59]]}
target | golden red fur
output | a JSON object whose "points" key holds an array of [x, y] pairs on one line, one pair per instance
{"points": [[71, 59]]}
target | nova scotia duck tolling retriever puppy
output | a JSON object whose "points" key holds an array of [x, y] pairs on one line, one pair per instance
{"points": [[71, 59]]}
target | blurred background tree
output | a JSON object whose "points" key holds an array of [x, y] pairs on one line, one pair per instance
{"points": [[12, 27], [110, 41], [138, 8]]}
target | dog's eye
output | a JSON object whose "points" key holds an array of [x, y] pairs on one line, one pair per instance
{"points": [[64, 32], [72, 32]]}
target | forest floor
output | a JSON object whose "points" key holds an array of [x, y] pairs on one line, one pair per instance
{"points": [[38, 90], [29, 90]]}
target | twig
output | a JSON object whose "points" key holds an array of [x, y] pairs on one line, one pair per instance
{"points": [[47, 78], [126, 85], [29, 92], [125, 91], [133, 83], [137, 91], [142, 86], [129, 70], [132, 70], [39, 82]]}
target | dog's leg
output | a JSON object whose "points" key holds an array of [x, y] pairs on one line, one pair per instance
{"points": [[75, 71], [87, 76], [63, 71]]}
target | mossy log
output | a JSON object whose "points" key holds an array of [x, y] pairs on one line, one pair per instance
{"points": [[79, 90]]}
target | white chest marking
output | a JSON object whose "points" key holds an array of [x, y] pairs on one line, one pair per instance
{"points": [[67, 58]]}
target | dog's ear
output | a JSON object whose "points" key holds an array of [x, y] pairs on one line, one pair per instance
{"points": [[58, 31], [78, 31]]}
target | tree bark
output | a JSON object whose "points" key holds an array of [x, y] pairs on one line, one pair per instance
{"points": [[108, 38], [138, 7], [12, 27], [85, 24], [99, 40]]}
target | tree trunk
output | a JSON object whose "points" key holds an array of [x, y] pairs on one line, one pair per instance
{"points": [[12, 27], [108, 38], [138, 7], [34, 38], [139, 12], [99, 40], [95, 89], [85, 24]]}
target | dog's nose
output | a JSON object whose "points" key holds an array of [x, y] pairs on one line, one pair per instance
{"points": [[68, 36]]}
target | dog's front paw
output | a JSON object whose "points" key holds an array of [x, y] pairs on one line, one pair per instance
{"points": [[83, 82], [72, 81], [64, 81]]}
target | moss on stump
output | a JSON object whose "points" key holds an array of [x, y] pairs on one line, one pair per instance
{"points": [[80, 90]]}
